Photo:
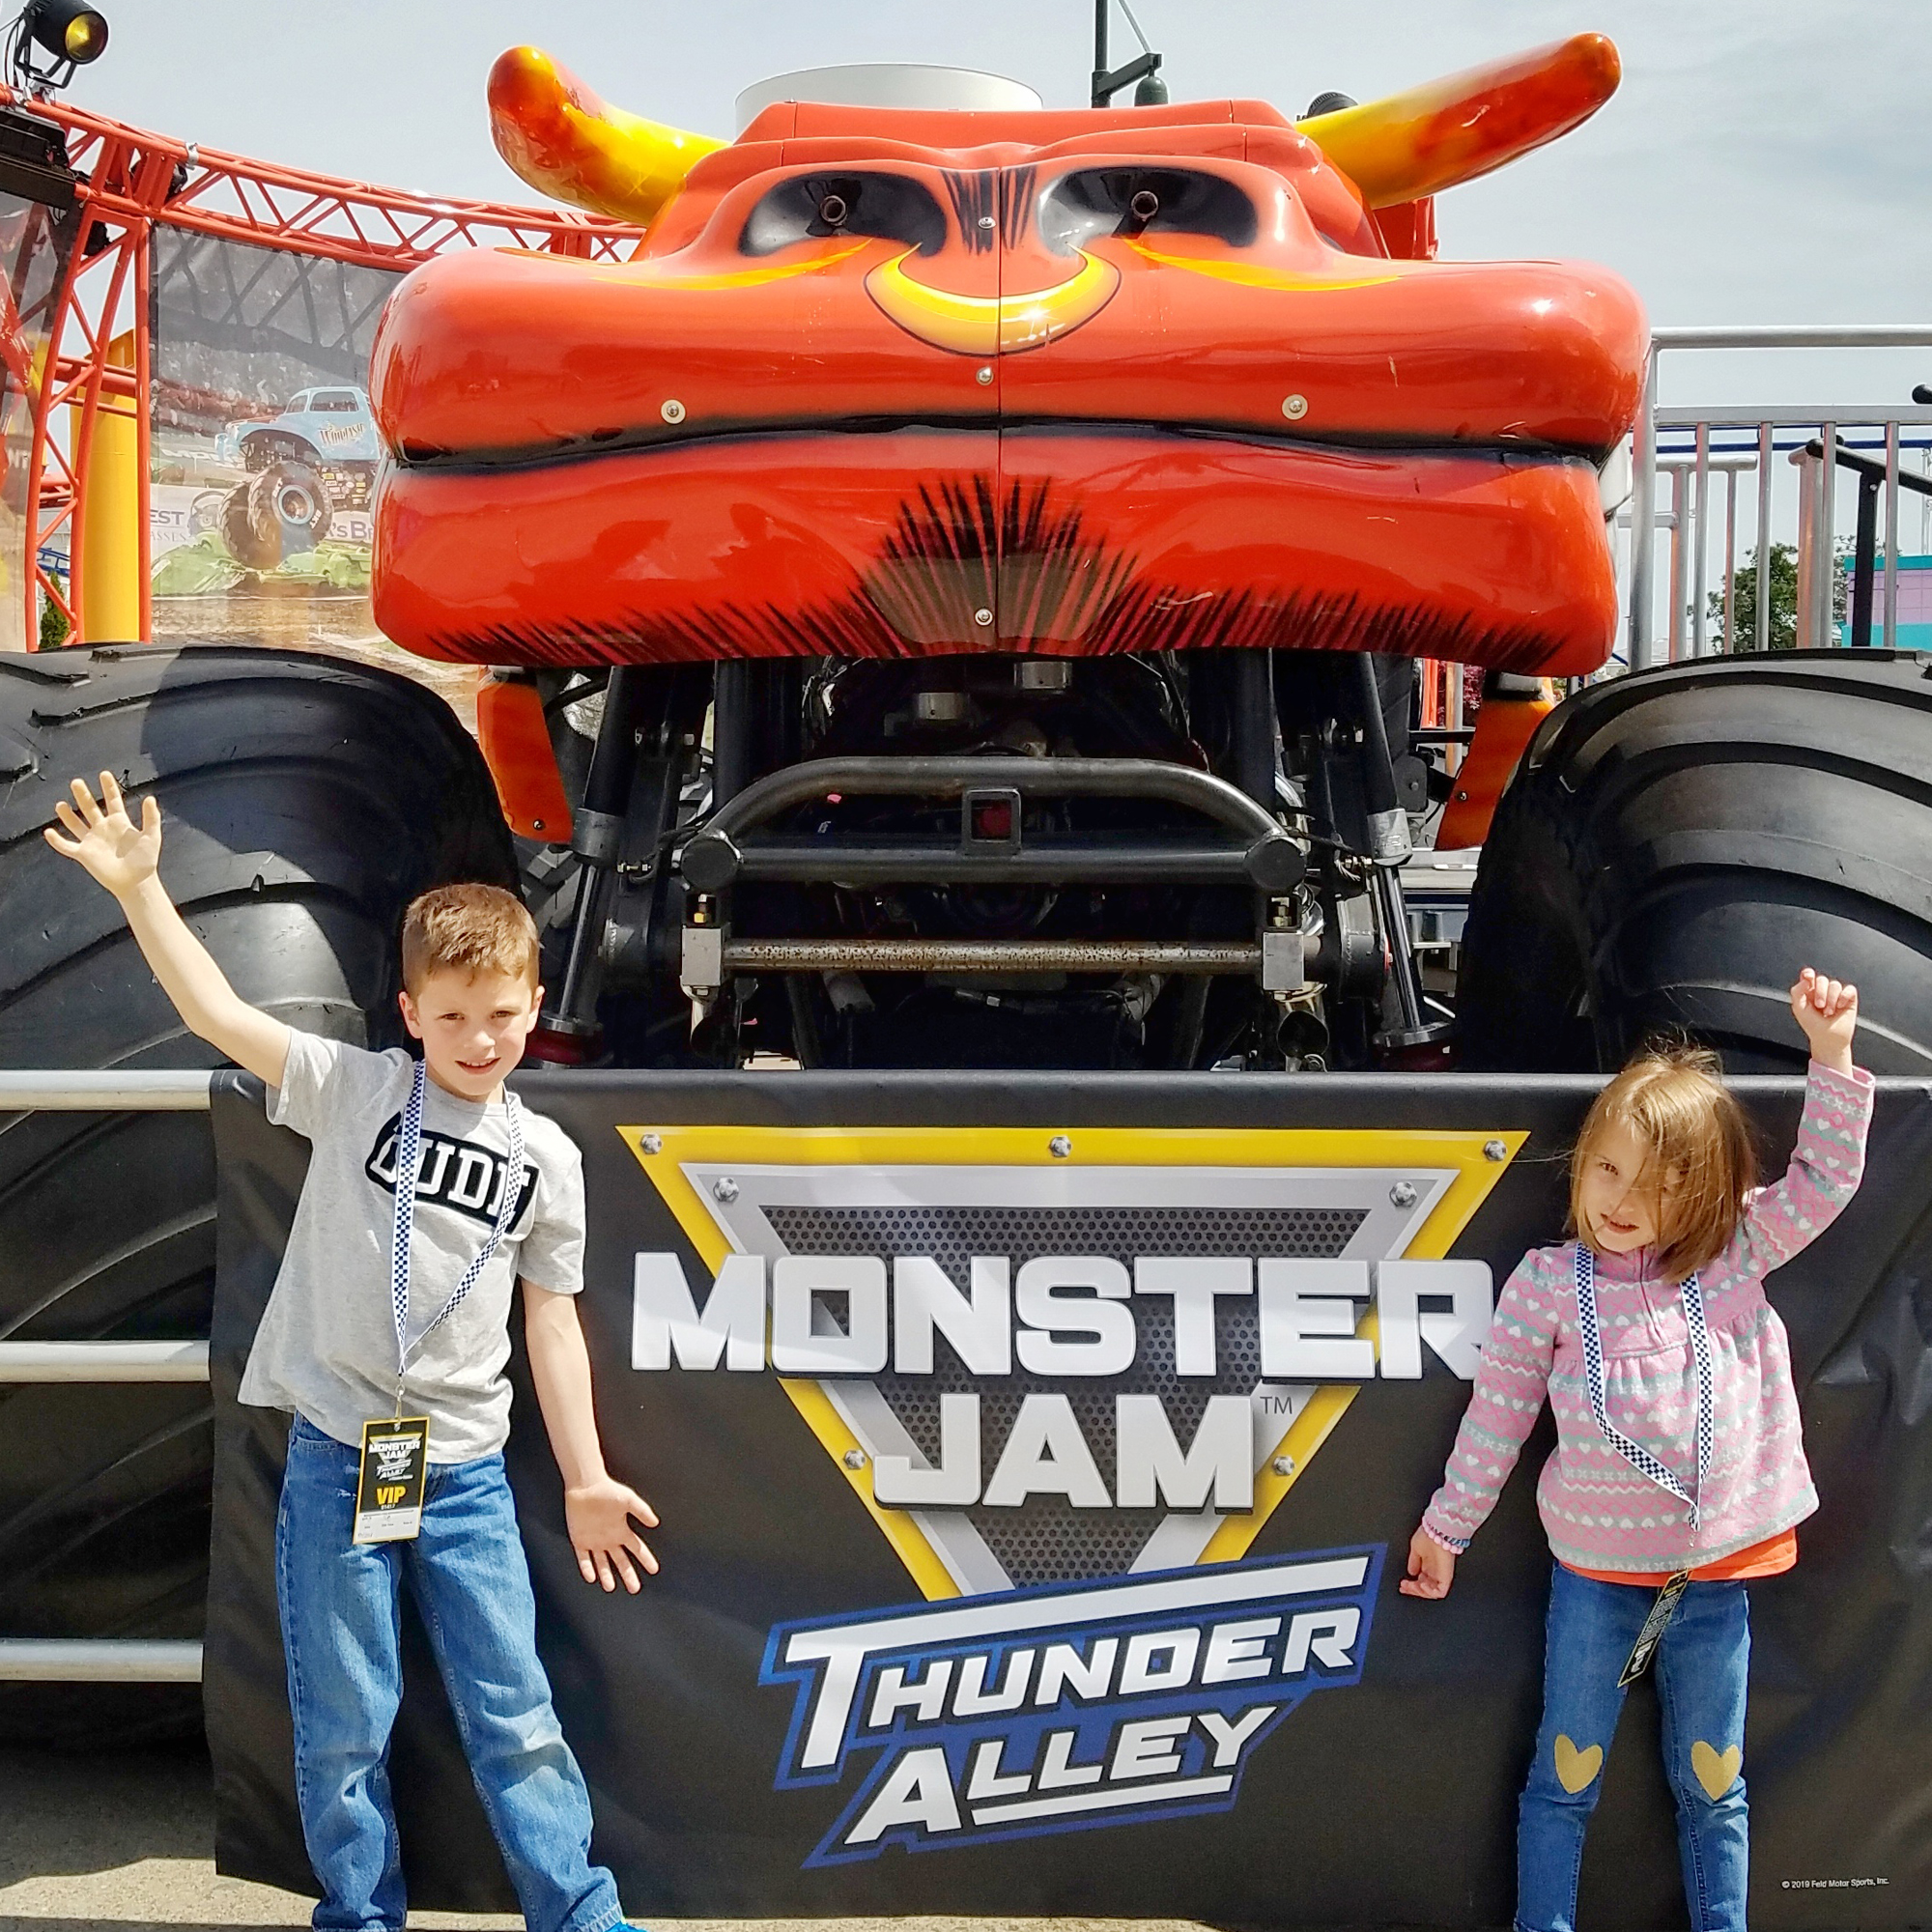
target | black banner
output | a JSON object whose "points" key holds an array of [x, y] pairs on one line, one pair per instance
{"points": [[1051, 1569]]}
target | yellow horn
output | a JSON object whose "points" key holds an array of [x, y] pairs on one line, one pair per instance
{"points": [[1452, 130], [568, 144]]}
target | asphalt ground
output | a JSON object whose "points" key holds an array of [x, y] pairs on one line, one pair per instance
{"points": [[126, 1840]]}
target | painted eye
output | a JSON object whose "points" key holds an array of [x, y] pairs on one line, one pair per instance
{"points": [[893, 206], [1077, 207]]}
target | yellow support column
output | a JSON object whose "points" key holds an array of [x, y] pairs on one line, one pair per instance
{"points": [[109, 512]]}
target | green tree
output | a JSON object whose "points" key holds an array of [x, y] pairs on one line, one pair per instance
{"points": [[1784, 600], [54, 625]]}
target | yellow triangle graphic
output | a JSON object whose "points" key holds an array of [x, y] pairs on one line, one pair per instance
{"points": [[1463, 1153]]}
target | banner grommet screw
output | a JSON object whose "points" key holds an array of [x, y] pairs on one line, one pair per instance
{"points": [[651, 1143], [1060, 1147], [1402, 1195], [1495, 1150], [724, 1189], [854, 1458], [1283, 1466]]}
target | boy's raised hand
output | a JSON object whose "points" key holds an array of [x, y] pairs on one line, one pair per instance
{"points": [[118, 853], [1827, 1012]]}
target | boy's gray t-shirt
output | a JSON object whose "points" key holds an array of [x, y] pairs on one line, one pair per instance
{"points": [[327, 1345]]}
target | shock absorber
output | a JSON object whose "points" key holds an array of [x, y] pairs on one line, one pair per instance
{"points": [[1389, 849], [598, 842]]}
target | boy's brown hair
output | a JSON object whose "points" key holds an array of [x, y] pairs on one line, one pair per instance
{"points": [[472, 929], [1671, 1098]]}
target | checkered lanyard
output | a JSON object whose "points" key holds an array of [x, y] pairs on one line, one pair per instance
{"points": [[1635, 1453], [408, 1165]]}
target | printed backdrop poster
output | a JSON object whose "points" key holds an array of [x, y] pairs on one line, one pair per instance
{"points": [[264, 450], [1037, 1461]]}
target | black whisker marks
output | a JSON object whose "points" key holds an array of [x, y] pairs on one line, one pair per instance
{"points": [[961, 548], [974, 192], [1016, 197]]}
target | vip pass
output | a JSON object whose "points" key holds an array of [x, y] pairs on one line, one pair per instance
{"points": [[1060, 1709], [408, 1169], [1636, 1454]]}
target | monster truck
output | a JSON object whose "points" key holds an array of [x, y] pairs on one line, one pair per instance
{"points": [[950, 599], [318, 456]]}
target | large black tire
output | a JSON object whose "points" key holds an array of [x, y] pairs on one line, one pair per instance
{"points": [[306, 801], [1677, 844]]}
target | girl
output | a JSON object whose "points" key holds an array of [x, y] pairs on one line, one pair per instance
{"points": [[1678, 1443]]}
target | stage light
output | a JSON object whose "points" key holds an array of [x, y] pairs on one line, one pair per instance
{"points": [[72, 32], [67, 29]]}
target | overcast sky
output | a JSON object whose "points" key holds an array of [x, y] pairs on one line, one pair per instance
{"points": [[1765, 161]]}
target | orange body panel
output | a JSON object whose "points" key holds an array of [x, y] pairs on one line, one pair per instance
{"points": [[892, 544], [1121, 381], [516, 743], [1504, 727]]}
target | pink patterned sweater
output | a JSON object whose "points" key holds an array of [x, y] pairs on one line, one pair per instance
{"points": [[1600, 1514]]}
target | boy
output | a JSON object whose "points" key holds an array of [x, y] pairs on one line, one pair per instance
{"points": [[392, 1306]]}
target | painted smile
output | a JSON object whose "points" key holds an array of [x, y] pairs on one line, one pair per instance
{"points": [[991, 324]]}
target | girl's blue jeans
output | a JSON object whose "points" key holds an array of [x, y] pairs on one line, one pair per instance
{"points": [[341, 1633], [1701, 1667]]}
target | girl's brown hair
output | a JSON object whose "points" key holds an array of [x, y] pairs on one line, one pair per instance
{"points": [[1671, 1098]]}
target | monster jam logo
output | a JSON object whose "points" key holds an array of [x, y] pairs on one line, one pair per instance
{"points": [[1069, 1378]]}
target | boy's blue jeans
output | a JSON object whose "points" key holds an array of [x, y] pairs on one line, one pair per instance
{"points": [[341, 1633], [1701, 1666]]}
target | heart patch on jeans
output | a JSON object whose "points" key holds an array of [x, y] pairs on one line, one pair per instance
{"points": [[1717, 1770], [1575, 1768]]}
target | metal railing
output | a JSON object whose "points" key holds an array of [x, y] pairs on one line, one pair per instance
{"points": [[102, 1659], [1691, 468]]}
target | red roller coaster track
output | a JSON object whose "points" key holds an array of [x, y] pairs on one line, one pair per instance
{"points": [[134, 182]]}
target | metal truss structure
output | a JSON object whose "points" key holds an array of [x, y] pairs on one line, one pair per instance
{"points": [[134, 181]]}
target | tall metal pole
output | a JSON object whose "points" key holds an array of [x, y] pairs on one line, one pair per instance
{"points": [[1762, 627], [1891, 535], [1643, 523], [1825, 544], [1701, 557], [1099, 87], [1729, 643], [1680, 558]]}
